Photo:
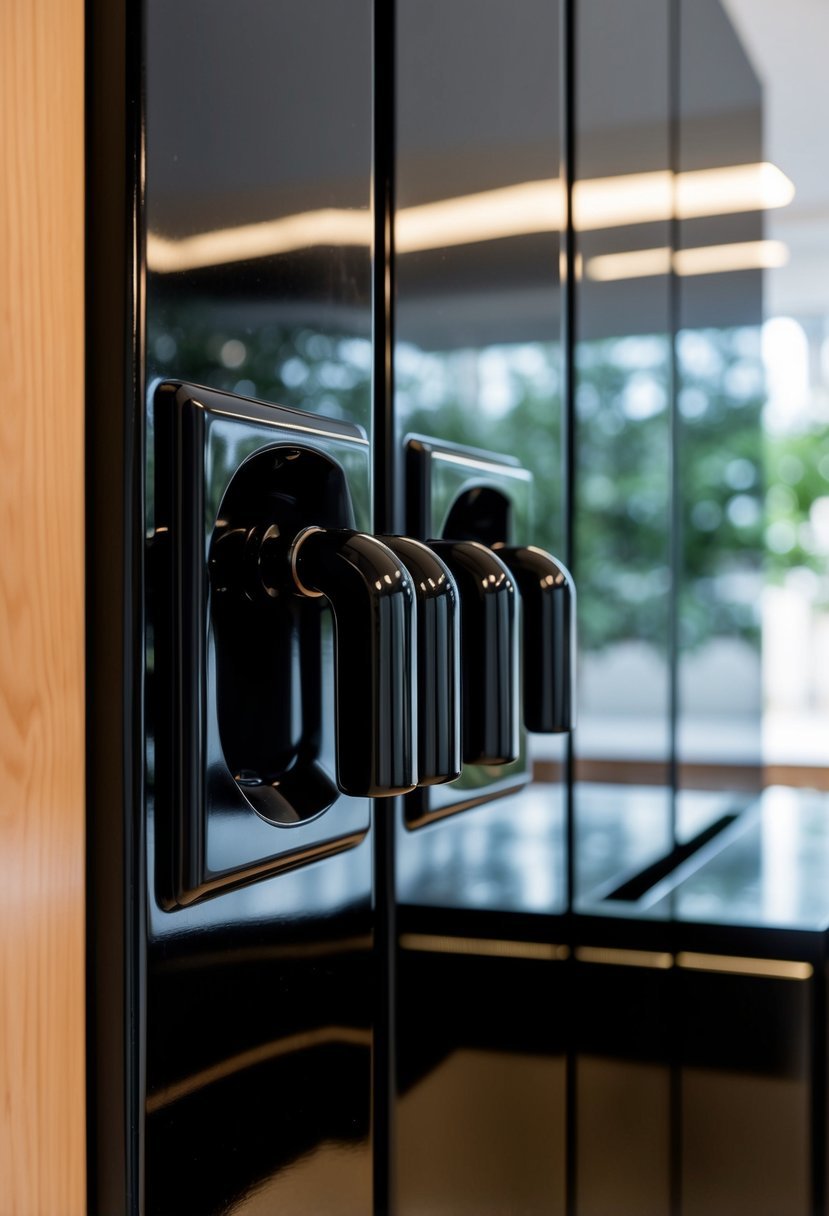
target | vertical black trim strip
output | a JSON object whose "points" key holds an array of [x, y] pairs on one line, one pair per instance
{"points": [[568, 343], [675, 554], [114, 636], [388, 499], [675, 560], [567, 271], [386, 462], [818, 1087]]}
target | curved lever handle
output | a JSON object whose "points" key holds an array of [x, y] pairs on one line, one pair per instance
{"points": [[548, 601], [373, 601], [438, 661], [489, 659]]}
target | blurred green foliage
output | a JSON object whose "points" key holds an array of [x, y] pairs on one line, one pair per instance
{"points": [[797, 502], [624, 514]]}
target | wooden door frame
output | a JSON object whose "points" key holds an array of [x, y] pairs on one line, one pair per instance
{"points": [[42, 678]]}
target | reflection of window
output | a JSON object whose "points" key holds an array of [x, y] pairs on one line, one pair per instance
{"points": [[323, 372], [796, 599], [502, 398]]}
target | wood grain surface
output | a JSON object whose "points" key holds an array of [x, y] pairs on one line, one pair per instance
{"points": [[42, 1098]]}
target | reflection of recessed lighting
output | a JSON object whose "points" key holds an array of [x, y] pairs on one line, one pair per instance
{"points": [[745, 255], [221, 246], [706, 259], [735, 188], [521, 209], [635, 264], [646, 198]]}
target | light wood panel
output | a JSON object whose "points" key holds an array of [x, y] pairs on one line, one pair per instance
{"points": [[42, 1102]]}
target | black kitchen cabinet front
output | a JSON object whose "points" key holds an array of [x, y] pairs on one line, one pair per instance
{"points": [[261, 969], [383, 407]]}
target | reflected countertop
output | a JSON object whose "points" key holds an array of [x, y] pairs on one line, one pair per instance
{"points": [[769, 868], [772, 873]]}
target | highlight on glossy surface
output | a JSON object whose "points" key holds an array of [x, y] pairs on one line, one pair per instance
{"points": [[548, 605], [702, 259], [489, 651], [438, 661], [373, 601], [519, 209]]}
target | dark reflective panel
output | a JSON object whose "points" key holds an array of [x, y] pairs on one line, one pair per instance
{"points": [[770, 872], [720, 393], [753, 1062], [795, 357], [259, 999], [477, 233], [738, 1040], [622, 207], [622, 560], [480, 869], [259, 1047], [258, 199], [715, 975]]}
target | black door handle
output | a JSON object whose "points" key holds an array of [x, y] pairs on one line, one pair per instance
{"points": [[489, 645], [548, 602], [438, 661], [373, 602]]}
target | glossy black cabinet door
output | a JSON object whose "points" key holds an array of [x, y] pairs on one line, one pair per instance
{"points": [[259, 1015], [480, 1072], [347, 256]]}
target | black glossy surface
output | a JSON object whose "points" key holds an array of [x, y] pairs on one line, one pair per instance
{"points": [[489, 652], [481, 512], [244, 671], [115, 654], [771, 874], [463, 494], [481, 1108], [266, 988], [251, 1016], [481, 1088], [259, 1023], [270, 685], [260, 147], [485, 513], [259, 1034], [723, 465], [548, 610], [438, 661], [373, 600], [742, 1047], [623, 405]]}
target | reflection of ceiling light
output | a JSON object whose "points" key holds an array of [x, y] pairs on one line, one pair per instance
{"points": [[736, 188], [528, 207], [636, 264], [646, 198], [746, 255], [706, 259], [307, 230], [525, 208]]}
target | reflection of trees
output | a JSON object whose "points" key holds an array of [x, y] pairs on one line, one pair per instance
{"points": [[623, 452], [624, 513], [527, 426], [327, 373], [798, 500], [720, 383], [622, 487]]}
